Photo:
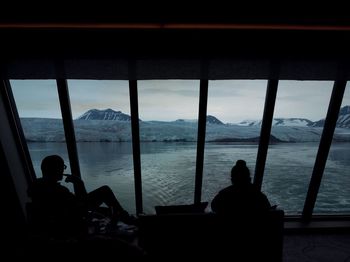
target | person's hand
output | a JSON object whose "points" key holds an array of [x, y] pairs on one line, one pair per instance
{"points": [[78, 184], [72, 179]]}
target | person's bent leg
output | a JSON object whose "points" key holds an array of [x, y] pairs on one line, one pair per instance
{"points": [[105, 195]]}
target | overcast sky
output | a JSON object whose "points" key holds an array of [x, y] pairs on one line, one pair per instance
{"points": [[231, 101]]}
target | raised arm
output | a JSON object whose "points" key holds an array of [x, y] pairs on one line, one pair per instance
{"points": [[78, 185]]}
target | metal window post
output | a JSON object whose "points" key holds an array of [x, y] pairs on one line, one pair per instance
{"points": [[323, 149], [135, 130], [63, 94], [265, 131], [202, 122]]}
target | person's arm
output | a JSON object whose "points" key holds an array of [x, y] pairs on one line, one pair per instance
{"points": [[215, 203], [78, 185], [265, 203]]}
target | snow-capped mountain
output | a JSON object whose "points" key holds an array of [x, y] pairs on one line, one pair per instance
{"points": [[280, 122], [213, 120], [107, 114], [210, 120], [249, 123], [343, 119]]}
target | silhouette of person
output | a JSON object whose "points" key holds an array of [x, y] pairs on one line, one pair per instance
{"points": [[68, 212], [242, 195]]}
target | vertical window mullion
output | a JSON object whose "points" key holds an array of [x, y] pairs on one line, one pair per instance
{"points": [[11, 108], [202, 122], [135, 130], [323, 149], [265, 132], [63, 94]]}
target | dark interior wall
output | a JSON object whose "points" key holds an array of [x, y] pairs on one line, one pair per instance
{"points": [[110, 53], [12, 217], [136, 11], [14, 176]]}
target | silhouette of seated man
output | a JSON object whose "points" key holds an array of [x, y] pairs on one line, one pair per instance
{"points": [[63, 212], [241, 196]]}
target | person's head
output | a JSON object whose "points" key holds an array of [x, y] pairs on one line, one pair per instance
{"points": [[240, 173], [52, 168]]}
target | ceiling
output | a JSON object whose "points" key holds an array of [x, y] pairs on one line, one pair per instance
{"points": [[173, 42]]}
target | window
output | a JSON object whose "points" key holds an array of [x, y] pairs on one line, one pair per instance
{"points": [[39, 111], [234, 114], [290, 159], [168, 112], [101, 113], [334, 193]]}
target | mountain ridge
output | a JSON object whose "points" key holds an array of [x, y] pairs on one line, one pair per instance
{"points": [[110, 114]]}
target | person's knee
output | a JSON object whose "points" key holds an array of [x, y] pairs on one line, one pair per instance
{"points": [[107, 192], [105, 188]]}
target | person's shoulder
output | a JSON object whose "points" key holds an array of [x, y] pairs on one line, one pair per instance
{"points": [[253, 188], [227, 190], [37, 188], [36, 184], [38, 181], [41, 184], [61, 188]]}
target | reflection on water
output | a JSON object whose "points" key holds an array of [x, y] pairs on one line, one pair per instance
{"points": [[168, 171]]}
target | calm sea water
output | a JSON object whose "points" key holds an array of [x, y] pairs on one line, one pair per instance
{"points": [[168, 172]]}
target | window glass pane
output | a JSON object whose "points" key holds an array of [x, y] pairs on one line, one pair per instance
{"points": [[234, 114], [40, 115], [168, 130], [334, 193], [290, 160], [101, 113]]}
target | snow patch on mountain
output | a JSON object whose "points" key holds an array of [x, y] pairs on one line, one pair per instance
{"points": [[210, 120], [279, 122], [107, 114]]}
